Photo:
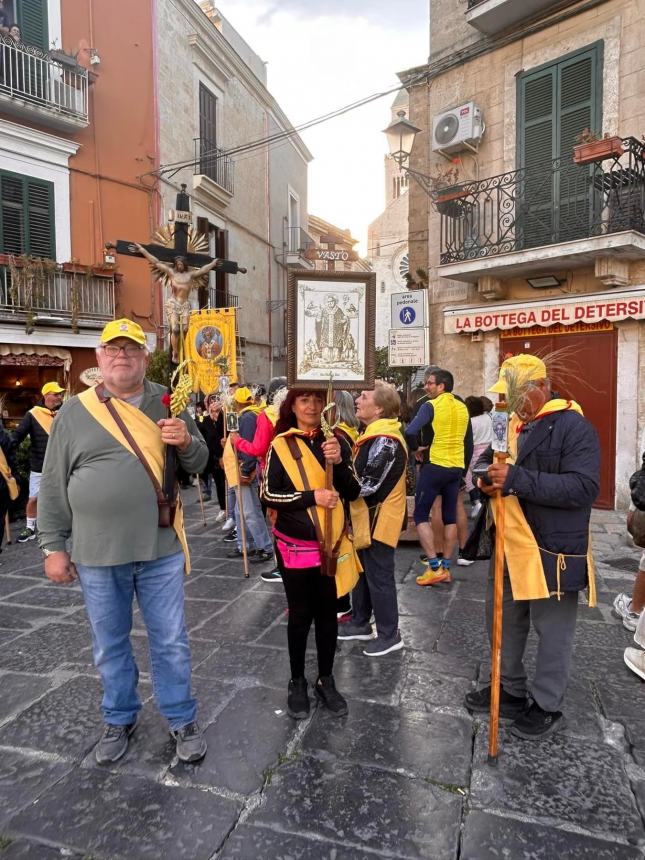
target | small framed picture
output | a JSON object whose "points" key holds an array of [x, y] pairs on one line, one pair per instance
{"points": [[232, 422], [330, 329], [500, 431]]}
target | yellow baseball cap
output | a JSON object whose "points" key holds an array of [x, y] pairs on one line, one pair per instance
{"points": [[243, 395], [123, 328], [51, 388], [525, 367]]}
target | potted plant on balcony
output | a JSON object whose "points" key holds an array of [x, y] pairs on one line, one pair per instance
{"points": [[29, 276], [592, 147], [447, 192]]}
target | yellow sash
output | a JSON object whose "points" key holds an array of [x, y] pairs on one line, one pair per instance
{"points": [[348, 566], [5, 472], [45, 417], [229, 459], [272, 414], [148, 438], [521, 550], [390, 514], [350, 432]]}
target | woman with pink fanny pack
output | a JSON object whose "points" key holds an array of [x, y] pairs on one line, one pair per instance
{"points": [[311, 596]]}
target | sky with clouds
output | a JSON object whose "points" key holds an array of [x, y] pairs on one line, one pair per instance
{"points": [[321, 57]]}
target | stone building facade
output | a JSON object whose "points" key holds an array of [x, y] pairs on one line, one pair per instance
{"points": [[387, 236], [527, 250], [212, 99]]}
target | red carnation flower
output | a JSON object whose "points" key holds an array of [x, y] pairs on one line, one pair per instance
{"points": [[165, 399]]}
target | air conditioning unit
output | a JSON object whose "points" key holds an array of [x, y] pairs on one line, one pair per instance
{"points": [[458, 129]]}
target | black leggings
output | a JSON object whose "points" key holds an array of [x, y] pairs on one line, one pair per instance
{"points": [[311, 597]]}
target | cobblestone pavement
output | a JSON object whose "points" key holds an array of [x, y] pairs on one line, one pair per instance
{"points": [[404, 775]]}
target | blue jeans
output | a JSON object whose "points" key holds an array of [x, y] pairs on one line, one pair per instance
{"points": [[159, 587], [257, 534]]}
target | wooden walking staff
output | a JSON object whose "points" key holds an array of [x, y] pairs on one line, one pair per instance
{"points": [[500, 449], [328, 432]]}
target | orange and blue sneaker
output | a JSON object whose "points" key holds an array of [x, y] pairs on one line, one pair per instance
{"points": [[437, 571]]}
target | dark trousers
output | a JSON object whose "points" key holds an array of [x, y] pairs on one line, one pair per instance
{"points": [[4, 507], [555, 624], [220, 484], [311, 597], [376, 590]]}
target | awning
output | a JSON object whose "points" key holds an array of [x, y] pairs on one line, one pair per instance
{"points": [[26, 355]]}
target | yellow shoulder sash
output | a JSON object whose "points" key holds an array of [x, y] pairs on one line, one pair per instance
{"points": [[45, 417], [229, 458], [5, 473], [147, 436]]}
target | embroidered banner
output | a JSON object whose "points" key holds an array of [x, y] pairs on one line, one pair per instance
{"points": [[210, 345]]}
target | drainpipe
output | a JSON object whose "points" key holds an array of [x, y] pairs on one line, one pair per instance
{"points": [[267, 203]]}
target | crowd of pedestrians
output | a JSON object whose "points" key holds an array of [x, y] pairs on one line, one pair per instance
{"points": [[320, 512]]}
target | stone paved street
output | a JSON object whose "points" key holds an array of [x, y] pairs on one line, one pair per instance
{"points": [[404, 775]]}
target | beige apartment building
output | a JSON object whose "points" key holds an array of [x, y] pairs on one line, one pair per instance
{"points": [[530, 247]]}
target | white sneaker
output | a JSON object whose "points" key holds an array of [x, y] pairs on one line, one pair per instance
{"points": [[464, 562], [635, 659], [623, 610], [474, 511], [228, 525], [221, 516]]}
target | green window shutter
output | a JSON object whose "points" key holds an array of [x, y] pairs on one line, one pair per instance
{"points": [[27, 221], [32, 18], [12, 217], [40, 219]]}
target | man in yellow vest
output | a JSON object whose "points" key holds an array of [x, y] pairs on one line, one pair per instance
{"points": [[102, 485], [377, 519], [550, 482], [37, 424]]}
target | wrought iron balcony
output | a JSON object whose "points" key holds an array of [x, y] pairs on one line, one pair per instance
{"points": [[58, 295], [543, 204], [219, 299], [33, 84], [211, 161]]}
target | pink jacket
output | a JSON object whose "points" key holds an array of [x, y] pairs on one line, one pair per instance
{"points": [[264, 432]]}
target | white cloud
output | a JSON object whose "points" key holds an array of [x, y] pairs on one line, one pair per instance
{"points": [[317, 62]]}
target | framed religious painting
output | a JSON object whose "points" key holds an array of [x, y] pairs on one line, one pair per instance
{"points": [[330, 329]]}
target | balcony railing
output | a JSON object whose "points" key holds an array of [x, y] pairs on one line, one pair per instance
{"points": [[299, 240], [543, 204], [473, 3], [33, 77], [212, 162], [57, 296], [217, 299]]}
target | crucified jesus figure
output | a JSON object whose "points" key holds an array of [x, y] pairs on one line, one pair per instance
{"points": [[182, 280]]}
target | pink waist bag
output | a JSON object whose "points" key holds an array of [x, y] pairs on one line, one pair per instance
{"points": [[297, 554]]}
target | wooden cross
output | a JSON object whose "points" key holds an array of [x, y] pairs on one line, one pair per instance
{"points": [[180, 247]]}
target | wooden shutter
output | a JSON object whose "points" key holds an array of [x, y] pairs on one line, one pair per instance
{"points": [[207, 132], [32, 18], [555, 103], [27, 221]]}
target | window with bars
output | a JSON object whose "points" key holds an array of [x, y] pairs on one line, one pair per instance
{"points": [[27, 222]]}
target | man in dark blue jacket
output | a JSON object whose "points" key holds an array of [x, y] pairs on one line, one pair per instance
{"points": [[554, 476]]}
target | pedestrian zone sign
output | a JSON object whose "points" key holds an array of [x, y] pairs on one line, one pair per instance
{"points": [[409, 309], [408, 348]]}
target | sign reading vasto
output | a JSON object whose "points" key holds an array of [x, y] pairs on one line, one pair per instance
{"points": [[341, 256], [408, 348], [409, 310], [610, 307]]}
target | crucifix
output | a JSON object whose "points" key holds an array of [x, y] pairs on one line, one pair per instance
{"points": [[181, 269]]}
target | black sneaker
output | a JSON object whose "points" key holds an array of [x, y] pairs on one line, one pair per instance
{"points": [[510, 706], [535, 724], [380, 646], [298, 699], [261, 556], [271, 575], [191, 745], [113, 743], [231, 537], [237, 553], [327, 693], [25, 535]]}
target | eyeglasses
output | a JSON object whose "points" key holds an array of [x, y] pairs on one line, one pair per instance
{"points": [[129, 349]]}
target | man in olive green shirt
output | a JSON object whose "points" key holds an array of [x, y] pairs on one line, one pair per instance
{"points": [[96, 491]]}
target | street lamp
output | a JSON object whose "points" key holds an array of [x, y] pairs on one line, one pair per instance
{"points": [[400, 138]]}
